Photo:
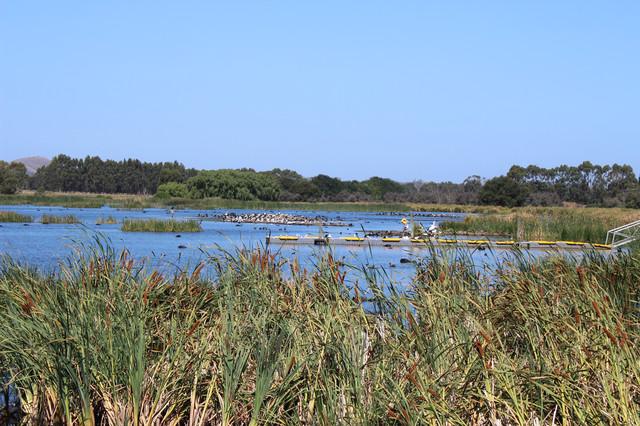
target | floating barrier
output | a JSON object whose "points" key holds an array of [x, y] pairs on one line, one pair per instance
{"points": [[435, 242]]}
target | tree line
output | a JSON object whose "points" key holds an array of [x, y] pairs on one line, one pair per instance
{"points": [[586, 184]]}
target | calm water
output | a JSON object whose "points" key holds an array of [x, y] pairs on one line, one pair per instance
{"points": [[45, 246]]}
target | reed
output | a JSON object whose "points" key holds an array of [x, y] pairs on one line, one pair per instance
{"points": [[15, 217], [252, 338], [106, 220], [131, 201], [160, 225], [573, 224], [69, 219]]}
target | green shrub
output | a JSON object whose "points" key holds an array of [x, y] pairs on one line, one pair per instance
{"points": [[172, 190]]}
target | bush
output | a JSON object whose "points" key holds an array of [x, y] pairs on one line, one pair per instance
{"points": [[172, 190]]}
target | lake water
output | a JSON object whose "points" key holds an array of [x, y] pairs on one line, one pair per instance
{"points": [[45, 246]]}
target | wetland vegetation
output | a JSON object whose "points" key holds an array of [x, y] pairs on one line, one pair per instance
{"points": [[161, 225], [15, 217], [546, 223], [106, 220], [69, 219], [258, 340]]}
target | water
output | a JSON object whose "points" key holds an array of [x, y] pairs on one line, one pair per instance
{"points": [[45, 246]]}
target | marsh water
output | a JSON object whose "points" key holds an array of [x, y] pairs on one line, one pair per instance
{"points": [[45, 246]]}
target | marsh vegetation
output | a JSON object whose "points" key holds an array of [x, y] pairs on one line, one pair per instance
{"points": [[161, 225], [48, 219], [555, 223], [258, 340], [106, 220], [14, 217]]}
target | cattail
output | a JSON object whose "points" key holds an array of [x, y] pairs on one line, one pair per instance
{"points": [[28, 305], [441, 277], [596, 308], [410, 376], [485, 336], [611, 337], [623, 335], [576, 316], [580, 271], [193, 328], [479, 348], [392, 413], [196, 272]]}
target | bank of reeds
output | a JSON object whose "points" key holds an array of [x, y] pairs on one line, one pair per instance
{"points": [[160, 225], [131, 201], [106, 342], [562, 224], [106, 220], [68, 219], [15, 217]]}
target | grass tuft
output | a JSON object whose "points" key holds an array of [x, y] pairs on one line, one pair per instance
{"points": [[108, 220], [159, 225], [69, 219], [15, 217]]}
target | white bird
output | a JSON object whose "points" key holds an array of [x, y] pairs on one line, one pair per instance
{"points": [[433, 227]]}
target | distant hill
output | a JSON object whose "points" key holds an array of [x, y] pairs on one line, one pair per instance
{"points": [[33, 163]]}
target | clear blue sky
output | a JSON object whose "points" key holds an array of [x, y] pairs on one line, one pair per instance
{"points": [[412, 89]]}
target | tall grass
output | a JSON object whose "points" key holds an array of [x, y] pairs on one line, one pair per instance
{"points": [[106, 220], [573, 224], [69, 219], [263, 341], [15, 217], [131, 201], [160, 225]]}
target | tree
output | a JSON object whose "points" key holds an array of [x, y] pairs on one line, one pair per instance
{"points": [[234, 185], [12, 177], [503, 191]]}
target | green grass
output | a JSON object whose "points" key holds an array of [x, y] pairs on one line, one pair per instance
{"points": [[159, 225], [562, 224], [15, 217], [215, 203], [108, 220], [69, 219], [548, 341], [129, 201]]}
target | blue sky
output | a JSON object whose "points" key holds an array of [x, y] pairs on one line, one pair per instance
{"points": [[408, 90]]}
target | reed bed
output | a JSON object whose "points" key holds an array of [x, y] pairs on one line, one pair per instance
{"points": [[160, 225], [69, 219], [260, 340], [563, 224], [15, 217], [106, 220]]}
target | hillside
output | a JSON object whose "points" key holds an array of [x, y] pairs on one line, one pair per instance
{"points": [[33, 163]]}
